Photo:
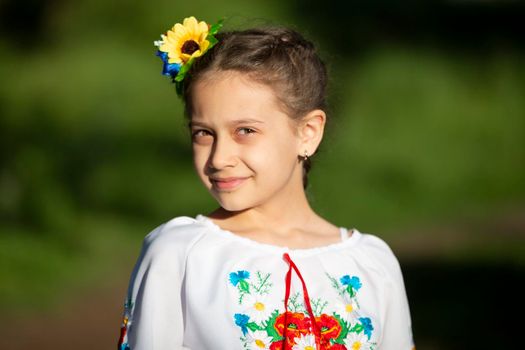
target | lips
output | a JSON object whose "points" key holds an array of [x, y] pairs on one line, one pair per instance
{"points": [[227, 183]]}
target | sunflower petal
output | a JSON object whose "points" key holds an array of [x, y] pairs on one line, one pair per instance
{"points": [[202, 28], [180, 30], [204, 45], [191, 25]]}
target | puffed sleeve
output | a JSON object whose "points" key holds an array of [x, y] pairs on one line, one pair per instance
{"points": [[153, 311], [397, 331]]}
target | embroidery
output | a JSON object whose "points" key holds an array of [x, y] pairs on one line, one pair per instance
{"points": [[262, 323], [123, 339]]}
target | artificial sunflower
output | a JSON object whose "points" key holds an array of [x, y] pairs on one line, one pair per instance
{"points": [[185, 41], [181, 45]]}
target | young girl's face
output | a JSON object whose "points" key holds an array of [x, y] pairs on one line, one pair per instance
{"points": [[245, 147]]}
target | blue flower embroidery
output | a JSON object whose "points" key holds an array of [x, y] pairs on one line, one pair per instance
{"points": [[367, 326], [236, 277], [353, 281], [241, 320]]}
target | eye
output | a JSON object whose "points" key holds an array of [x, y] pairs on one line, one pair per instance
{"points": [[200, 133], [246, 131]]}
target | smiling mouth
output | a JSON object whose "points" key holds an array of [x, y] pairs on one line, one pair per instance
{"points": [[228, 183]]}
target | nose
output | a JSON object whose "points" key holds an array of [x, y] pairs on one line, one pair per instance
{"points": [[223, 154]]}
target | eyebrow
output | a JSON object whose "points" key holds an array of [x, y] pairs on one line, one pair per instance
{"points": [[233, 122]]}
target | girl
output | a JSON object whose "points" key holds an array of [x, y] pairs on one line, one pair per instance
{"points": [[263, 271]]}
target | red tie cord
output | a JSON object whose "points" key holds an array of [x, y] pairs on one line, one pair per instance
{"points": [[123, 331], [316, 330]]}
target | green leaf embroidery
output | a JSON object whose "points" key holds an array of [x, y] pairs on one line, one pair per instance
{"points": [[263, 284], [350, 291], [294, 305], [345, 326], [336, 285], [241, 296], [270, 326], [245, 343], [318, 306], [244, 286], [357, 328], [253, 326]]}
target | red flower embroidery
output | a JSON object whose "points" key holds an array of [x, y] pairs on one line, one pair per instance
{"points": [[278, 345], [330, 328], [297, 324]]}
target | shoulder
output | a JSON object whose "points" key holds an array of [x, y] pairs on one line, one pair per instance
{"points": [[173, 238], [160, 268], [376, 246], [379, 255]]}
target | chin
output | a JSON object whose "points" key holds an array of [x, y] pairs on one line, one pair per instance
{"points": [[232, 204]]}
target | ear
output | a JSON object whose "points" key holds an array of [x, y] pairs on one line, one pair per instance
{"points": [[311, 129]]}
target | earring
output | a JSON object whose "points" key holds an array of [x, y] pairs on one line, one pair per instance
{"points": [[305, 157]]}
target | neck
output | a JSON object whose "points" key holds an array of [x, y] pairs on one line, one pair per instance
{"points": [[286, 211]]}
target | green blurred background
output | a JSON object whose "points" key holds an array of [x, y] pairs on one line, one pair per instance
{"points": [[425, 147]]}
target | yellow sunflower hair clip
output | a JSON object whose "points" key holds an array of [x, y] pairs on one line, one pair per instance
{"points": [[182, 44]]}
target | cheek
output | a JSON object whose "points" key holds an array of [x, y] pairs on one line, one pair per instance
{"points": [[199, 160], [285, 146], [273, 155]]}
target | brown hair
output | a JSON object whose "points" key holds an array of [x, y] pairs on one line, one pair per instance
{"points": [[278, 57]]}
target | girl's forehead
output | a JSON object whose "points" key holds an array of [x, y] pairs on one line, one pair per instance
{"points": [[233, 95], [233, 84]]}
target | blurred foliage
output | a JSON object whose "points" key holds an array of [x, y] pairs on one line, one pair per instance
{"points": [[425, 136], [92, 138], [427, 125]]}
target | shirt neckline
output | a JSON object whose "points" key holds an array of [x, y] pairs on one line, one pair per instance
{"points": [[345, 242]]}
